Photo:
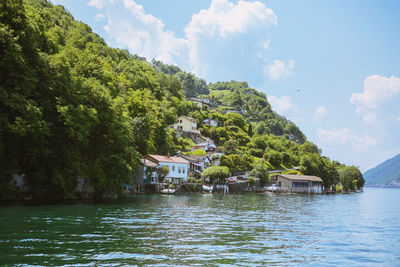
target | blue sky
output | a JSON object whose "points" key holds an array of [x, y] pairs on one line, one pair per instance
{"points": [[332, 67]]}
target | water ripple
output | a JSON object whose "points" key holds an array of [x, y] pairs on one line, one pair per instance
{"points": [[244, 230]]}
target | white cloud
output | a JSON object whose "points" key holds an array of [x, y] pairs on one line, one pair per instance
{"points": [[279, 70], [143, 34], [224, 18], [220, 43], [96, 3], [319, 113], [281, 105], [345, 137], [377, 89], [398, 118], [99, 16], [225, 39]]}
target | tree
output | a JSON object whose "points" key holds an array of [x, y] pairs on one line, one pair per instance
{"points": [[198, 152], [235, 120], [274, 157], [237, 163], [260, 171], [188, 85], [351, 178], [162, 172], [251, 181], [216, 173]]}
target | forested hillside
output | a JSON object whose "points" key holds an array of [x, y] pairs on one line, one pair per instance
{"points": [[387, 173], [73, 108]]}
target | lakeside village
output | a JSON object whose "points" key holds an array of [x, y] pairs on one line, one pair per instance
{"points": [[188, 173]]}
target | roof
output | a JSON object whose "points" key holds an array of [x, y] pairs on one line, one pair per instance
{"points": [[149, 163], [160, 158], [201, 100], [301, 177], [194, 157], [188, 118]]}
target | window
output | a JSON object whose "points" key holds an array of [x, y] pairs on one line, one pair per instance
{"points": [[183, 169], [299, 184], [179, 169], [173, 168]]}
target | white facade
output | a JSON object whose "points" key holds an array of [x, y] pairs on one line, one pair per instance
{"points": [[210, 122], [178, 172], [185, 124]]}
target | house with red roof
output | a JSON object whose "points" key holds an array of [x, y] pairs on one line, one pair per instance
{"points": [[178, 167]]}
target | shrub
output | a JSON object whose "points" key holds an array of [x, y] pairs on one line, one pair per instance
{"points": [[251, 181]]}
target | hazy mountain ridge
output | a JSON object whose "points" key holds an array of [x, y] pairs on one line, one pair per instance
{"points": [[386, 173]]}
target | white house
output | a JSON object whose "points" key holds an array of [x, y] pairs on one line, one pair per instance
{"points": [[197, 164], [178, 167], [207, 146], [185, 124], [210, 122], [200, 101], [147, 172]]}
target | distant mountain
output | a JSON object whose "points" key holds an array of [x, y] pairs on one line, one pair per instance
{"points": [[386, 173]]}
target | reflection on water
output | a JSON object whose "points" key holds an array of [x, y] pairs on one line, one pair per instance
{"points": [[350, 229]]}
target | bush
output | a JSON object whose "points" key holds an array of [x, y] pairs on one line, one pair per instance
{"points": [[199, 181], [285, 157], [251, 181], [191, 180], [274, 158]]}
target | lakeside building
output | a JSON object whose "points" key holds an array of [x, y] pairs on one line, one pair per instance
{"points": [[147, 173], [197, 164], [298, 183], [178, 167]]}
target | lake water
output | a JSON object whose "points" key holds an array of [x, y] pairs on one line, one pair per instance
{"points": [[359, 229]]}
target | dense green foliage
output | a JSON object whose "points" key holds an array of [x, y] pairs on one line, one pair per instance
{"points": [[71, 106], [351, 178], [216, 173], [260, 171], [75, 113], [385, 173]]}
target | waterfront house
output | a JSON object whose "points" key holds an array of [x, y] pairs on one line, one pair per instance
{"points": [[147, 173], [197, 164], [185, 124], [178, 167], [298, 183]]}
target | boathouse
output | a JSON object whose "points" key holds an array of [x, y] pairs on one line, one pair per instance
{"points": [[298, 183]]}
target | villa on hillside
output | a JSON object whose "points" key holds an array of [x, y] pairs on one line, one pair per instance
{"points": [[298, 183], [208, 146], [211, 122], [185, 124]]}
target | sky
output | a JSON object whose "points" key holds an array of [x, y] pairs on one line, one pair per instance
{"points": [[332, 67]]}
